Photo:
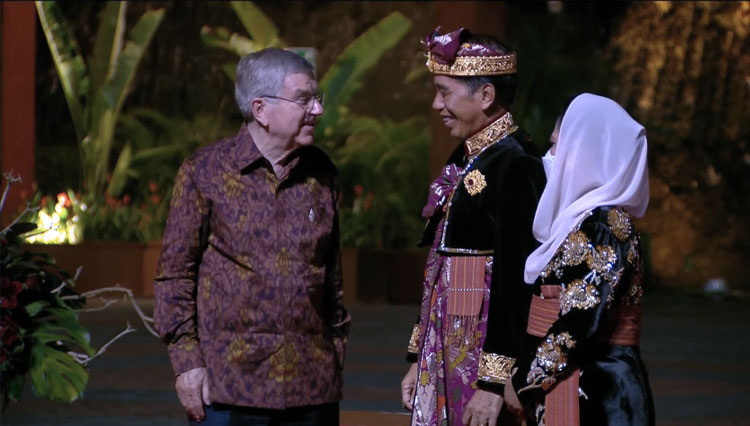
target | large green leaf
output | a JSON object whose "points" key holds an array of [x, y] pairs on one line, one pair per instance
{"points": [[119, 174], [108, 42], [151, 153], [116, 87], [109, 99], [64, 327], [348, 72], [69, 63], [56, 375], [15, 385], [235, 43], [257, 24]]}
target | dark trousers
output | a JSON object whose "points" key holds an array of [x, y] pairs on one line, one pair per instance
{"points": [[232, 415]]}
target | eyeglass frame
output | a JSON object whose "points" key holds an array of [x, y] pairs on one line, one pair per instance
{"points": [[320, 97]]}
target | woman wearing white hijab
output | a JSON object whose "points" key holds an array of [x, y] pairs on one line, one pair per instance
{"points": [[582, 365]]}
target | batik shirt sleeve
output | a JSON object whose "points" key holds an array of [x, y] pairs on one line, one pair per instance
{"points": [[175, 284]]}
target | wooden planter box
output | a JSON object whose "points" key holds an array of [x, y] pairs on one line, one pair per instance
{"points": [[383, 276], [370, 275], [107, 263]]}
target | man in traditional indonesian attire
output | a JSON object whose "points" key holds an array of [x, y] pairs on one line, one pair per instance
{"points": [[479, 216]]}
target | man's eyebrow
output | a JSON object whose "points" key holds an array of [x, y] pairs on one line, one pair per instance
{"points": [[299, 93]]}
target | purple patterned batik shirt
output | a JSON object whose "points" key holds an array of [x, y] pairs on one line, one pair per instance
{"points": [[249, 280]]}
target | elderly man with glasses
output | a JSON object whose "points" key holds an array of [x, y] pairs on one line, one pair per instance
{"points": [[248, 294]]}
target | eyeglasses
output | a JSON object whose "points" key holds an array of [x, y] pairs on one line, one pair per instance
{"points": [[306, 102]]}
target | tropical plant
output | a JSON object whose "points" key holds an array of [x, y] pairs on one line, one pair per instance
{"points": [[95, 89], [383, 177], [382, 164], [41, 336], [341, 80]]}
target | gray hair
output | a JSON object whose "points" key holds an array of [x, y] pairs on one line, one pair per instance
{"points": [[262, 73]]}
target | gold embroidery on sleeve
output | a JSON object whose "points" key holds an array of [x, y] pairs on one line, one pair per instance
{"points": [[619, 223], [550, 359], [579, 295], [575, 249], [494, 368]]}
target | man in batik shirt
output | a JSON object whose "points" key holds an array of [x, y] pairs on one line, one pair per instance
{"points": [[480, 210], [248, 294]]}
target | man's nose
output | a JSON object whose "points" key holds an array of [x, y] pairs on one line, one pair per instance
{"points": [[437, 102], [317, 107]]}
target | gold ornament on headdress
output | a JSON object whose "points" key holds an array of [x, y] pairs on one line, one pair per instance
{"points": [[472, 66]]}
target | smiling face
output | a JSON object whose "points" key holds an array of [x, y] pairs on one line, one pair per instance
{"points": [[290, 121], [462, 111]]}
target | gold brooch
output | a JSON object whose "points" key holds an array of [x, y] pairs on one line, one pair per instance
{"points": [[474, 182]]}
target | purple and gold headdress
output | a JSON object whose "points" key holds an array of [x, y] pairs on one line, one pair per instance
{"points": [[450, 54]]}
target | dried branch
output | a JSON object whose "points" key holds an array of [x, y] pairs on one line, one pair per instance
{"points": [[26, 211], [107, 304], [85, 359], [147, 320], [9, 180]]}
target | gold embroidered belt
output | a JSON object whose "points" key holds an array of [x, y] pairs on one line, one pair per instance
{"points": [[621, 326]]}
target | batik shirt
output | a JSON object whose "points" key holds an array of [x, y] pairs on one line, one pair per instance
{"points": [[249, 280]]}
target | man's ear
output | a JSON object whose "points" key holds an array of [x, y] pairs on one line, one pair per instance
{"points": [[257, 107], [487, 92]]}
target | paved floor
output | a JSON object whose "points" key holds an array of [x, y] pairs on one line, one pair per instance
{"points": [[697, 351]]}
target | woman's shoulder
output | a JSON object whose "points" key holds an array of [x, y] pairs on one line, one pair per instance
{"points": [[608, 220]]}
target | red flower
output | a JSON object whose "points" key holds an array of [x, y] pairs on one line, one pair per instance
{"points": [[126, 199], [32, 283], [10, 290], [152, 186], [8, 334], [359, 190], [368, 201], [63, 198]]}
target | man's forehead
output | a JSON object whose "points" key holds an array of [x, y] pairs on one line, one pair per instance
{"points": [[300, 82], [446, 82]]}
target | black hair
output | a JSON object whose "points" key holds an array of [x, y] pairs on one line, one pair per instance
{"points": [[505, 85]]}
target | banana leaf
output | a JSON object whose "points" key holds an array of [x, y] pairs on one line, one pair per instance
{"points": [[257, 24], [348, 72], [235, 43], [109, 99], [120, 172], [108, 42], [69, 62]]}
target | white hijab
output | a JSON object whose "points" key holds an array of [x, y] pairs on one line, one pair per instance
{"points": [[600, 161]]}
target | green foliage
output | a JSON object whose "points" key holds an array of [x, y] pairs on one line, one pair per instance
{"points": [[382, 165], [348, 72], [95, 89], [39, 324], [160, 143], [383, 177], [342, 80], [556, 61]]}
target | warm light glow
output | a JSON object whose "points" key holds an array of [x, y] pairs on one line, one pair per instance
{"points": [[61, 225]]}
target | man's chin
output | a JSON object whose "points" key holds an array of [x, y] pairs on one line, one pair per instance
{"points": [[304, 140]]}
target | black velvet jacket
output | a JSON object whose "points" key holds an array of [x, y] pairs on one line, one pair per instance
{"points": [[491, 212]]}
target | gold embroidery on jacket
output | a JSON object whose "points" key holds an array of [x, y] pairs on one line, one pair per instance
{"points": [[578, 295], [619, 223], [499, 129], [474, 182], [494, 368], [550, 359]]}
